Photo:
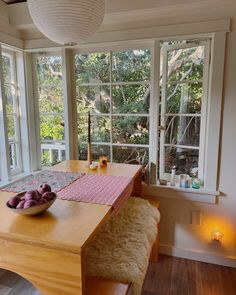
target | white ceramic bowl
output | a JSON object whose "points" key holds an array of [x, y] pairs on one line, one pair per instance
{"points": [[32, 210]]}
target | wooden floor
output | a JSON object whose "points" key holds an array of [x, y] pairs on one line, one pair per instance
{"points": [[12, 284], [176, 276], [171, 276]]}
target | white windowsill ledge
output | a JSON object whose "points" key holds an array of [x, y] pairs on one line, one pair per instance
{"points": [[188, 194], [14, 179]]}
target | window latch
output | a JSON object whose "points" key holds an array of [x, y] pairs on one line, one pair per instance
{"points": [[161, 128]]}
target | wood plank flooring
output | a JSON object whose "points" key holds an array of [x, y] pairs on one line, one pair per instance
{"points": [[170, 276], [12, 284], [176, 276]]}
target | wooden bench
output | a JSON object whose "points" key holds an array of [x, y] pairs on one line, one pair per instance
{"points": [[155, 247], [99, 286]]}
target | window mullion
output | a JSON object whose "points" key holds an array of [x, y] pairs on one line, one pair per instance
{"points": [[70, 109], [204, 108], [33, 111], [18, 115], [4, 147], [111, 111], [163, 111], [154, 110]]}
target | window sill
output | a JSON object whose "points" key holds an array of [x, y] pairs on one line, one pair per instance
{"points": [[14, 179], [187, 194]]}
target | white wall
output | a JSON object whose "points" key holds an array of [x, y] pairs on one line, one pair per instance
{"points": [[194, 241]]}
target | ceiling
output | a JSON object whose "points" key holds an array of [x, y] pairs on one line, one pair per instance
{"points": [[13, 1]]}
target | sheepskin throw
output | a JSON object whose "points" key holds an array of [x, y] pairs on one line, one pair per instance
{"points": [[121, 249]]}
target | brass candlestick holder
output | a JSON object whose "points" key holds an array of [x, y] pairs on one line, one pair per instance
{"points": [[89, 140], [89, 153]]}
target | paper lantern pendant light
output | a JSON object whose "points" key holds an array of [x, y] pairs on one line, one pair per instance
{"points": [[67, 21]]}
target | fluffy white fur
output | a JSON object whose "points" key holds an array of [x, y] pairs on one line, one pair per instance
{"points": [[121, 249]]}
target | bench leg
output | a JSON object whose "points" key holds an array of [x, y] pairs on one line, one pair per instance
{"points": [[155, 248]]}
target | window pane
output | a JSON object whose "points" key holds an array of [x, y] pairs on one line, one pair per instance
{"points": [[92, 68], [185, 160], [132, 65], [10, 98], [49, 74], [94, 98], [82, 128], [100, 129], [11, 127], [131, 99], [13, 155], [52, 127], [183, 130], [52, 153], [132, 130], [130, 155], [184, 98], [6, 64], [186, 64], [97, 151]]}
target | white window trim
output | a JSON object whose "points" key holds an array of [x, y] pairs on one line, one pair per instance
{"points": [[16, 113], [203, 115], [4, 147], [6, 175], [210, 192], [111, 115], [213, 108], [214, 104], [35, 108]]}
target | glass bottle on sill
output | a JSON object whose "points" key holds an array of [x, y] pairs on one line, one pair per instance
{"points": [[172, 177]]}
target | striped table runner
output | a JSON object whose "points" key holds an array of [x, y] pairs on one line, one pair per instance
{"points": [[99, 189]]}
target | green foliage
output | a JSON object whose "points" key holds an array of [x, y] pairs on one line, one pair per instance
{"points": [[109, 84], [51, 128], [125, 66], [51, 104]]}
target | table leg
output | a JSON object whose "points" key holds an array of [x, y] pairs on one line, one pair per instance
{"points": [[52, 272]]}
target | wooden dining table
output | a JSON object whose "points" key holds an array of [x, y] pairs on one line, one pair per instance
{"points": [[47, 249]]}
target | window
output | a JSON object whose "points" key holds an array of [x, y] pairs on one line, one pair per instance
{"points": [[153, 103], [12, 111], [51, 108], [14, 148], [115, 87], [184, 89]]}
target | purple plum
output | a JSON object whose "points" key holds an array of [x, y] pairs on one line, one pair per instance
{"points": [[20, 205], [32, 195], [14, 201], [30, 203], [49, 196], [43, 188], [42, 201]]}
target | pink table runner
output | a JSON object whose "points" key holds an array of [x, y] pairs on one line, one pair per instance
{"points": [[99, 189]]}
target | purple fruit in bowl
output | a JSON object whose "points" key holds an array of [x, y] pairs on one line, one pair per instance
{"points": [[32, 195], [14, 201], [49, 196], [30, 203], [43, 188], [42, 201], [20, 205]]}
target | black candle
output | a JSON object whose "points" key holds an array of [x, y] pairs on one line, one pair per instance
{"points": [[89, 127]]}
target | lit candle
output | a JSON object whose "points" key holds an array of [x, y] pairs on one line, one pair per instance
{"points": [[89, 127]]}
